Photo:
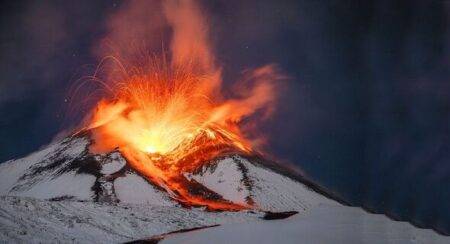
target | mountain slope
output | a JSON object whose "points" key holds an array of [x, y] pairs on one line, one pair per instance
{"points": [[240, 180], [28, 220], [67, 170], [64, 193], [323, 224]]}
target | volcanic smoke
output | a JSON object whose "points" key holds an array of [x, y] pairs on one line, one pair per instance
{"points": [[167, 114]]}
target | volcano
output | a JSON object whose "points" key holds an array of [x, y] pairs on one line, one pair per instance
{"points": [[65, 193], [166, 147], [67, 170]]}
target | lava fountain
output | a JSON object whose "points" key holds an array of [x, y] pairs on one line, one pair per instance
{"points": [[168, 115]]}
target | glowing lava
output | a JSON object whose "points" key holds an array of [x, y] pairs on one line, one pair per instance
{"points": [[170, 117]]}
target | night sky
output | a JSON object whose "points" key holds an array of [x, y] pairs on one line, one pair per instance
{"points": [[365, 112]]}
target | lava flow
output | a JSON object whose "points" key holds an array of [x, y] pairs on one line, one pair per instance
{"points": [[168, 116]]}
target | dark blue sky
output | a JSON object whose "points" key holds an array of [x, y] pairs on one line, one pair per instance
{"points": [[366, 112]]}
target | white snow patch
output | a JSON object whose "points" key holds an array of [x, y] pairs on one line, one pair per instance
{"points": [[269, 190], [325, 224], [69, 184], [75, 146], [12, 170], [134, 189], [275, 192], [46, 186], [114, 163], [225, 179], [26, 220]]}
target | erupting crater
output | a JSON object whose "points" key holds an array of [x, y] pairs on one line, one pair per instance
{"points": [[168, 121], [169, 115]]}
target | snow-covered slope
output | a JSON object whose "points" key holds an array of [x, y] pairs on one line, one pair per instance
{"points": [[67, 170], [323, 224], [15, 174], [27, 220], [239, 180], [64, 193]]}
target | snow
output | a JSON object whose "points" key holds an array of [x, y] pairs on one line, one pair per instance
{"points": [[17, 177], [69, 184], [74, 147], [27, 220], [41, 221], [13, 170], [275, 192], [134, 189], [323, 224], [234, 178], [145, 210], [269, 190], [113, 164], [225, 179]]}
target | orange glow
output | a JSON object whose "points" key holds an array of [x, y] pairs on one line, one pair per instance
{"points": [[170, 117]]}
